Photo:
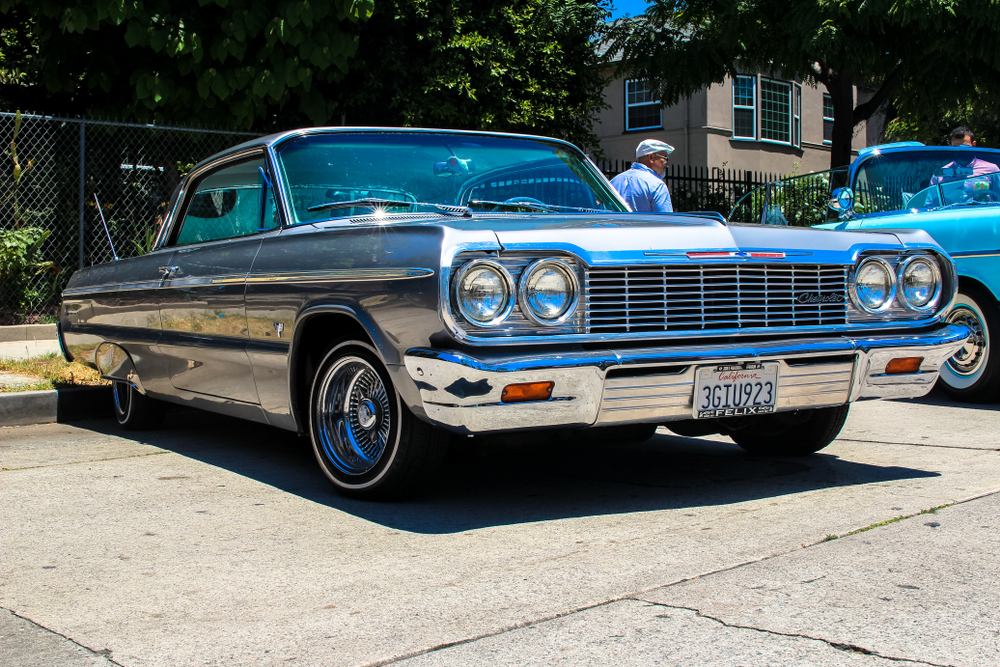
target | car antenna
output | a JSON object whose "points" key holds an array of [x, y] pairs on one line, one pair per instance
{"points": [[101, 213]]}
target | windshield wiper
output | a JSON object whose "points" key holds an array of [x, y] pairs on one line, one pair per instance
{"points": [[377, 203], [531, 206]]}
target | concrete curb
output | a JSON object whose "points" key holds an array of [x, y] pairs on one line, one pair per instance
{"points": [[21, 332], [54, 405]]}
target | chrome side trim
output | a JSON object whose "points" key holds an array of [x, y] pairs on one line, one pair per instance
{"points": [[339, 275], [969, 254]]}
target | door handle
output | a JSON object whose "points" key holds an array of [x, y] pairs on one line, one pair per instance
{"points": [[169, 271]]}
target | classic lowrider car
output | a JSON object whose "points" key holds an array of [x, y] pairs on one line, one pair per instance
{"points": [[379, 289], [951, 192]]}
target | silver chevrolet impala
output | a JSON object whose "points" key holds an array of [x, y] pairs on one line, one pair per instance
{"points": [[382, 289]]}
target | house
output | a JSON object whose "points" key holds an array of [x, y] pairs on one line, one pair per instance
{"points": [[752, 122]]}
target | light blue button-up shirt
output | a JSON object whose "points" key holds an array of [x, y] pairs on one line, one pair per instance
{"points": [[643, 190]]}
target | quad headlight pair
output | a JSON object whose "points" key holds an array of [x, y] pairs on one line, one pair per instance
{"points": [[915, 282], [548, 292]]}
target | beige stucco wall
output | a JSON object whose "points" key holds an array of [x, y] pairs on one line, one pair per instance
{"points": [[700, 129]]}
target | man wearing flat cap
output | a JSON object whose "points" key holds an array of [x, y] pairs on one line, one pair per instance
{"points": [[642, 186]]}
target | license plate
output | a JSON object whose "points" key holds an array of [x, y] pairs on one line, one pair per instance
{"points": [[735, 390]]}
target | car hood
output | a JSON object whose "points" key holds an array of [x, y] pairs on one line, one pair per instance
{"points": [[655, 239]]}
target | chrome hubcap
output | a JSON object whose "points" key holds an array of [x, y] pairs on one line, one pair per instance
{"points": [[353, 418], [970, 357]]}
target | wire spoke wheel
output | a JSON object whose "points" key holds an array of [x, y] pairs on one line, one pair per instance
{"points": [[973, 372], [366, 440], [354, 416]]}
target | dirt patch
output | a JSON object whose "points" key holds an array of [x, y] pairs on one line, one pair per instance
{"points": [[50, 372]]}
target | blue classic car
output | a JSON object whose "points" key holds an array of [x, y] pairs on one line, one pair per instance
{"points": [[953, 193], [380, 289]]}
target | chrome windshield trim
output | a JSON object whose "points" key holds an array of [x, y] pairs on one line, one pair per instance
{"points": [[339, 275]]}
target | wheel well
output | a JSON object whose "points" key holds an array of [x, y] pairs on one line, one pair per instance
{"points": [[967, 282], [318, 334]]}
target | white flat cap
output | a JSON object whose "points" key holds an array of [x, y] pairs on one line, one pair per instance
{"points": [[652, 146]]}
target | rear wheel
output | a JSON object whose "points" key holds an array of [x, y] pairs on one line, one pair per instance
{"points": [[367, 442], [135, 411], [795, 433], [973, 373]]}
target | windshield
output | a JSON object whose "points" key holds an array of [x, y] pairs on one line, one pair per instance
{"points": [[800, 201], [341, 174], [887, 182], [970, 191]]}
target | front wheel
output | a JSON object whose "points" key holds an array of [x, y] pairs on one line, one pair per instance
{"points": [[973, 373], [797, 433], [367, 442], [135, 411]]}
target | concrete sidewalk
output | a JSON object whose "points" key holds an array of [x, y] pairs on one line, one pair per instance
{"points": [[25, 341]]}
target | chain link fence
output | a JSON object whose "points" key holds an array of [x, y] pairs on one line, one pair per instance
{"points": [[50, 224]]}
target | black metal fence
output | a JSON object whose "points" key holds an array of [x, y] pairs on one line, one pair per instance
{"points": [[50, 172], [701, 188]]}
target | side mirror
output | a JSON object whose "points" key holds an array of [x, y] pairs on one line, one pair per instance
{"points": [[842, 201]]}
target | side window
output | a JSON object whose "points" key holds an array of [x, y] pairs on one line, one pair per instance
{"points": [[231, 202]]}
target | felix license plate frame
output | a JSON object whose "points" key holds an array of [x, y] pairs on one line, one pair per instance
{"points": [[735, 390]]}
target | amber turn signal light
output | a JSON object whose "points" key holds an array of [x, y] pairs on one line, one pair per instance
{"points": [[903, 365], [528, 391]]}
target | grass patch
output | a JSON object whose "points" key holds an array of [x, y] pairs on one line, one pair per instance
{"points": [[932, 510], [52, 372]]}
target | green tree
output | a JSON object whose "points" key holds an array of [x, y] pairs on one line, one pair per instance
{"points": [[918, 53], [515, 65], [238, 60], [933, 125]]}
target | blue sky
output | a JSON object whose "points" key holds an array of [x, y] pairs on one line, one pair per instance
{"points": [[620, 8]]}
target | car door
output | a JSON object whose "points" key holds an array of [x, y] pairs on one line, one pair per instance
{"points": [[202, 311]]}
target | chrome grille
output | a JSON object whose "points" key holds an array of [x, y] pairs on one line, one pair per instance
{"points": [[632, 299]]}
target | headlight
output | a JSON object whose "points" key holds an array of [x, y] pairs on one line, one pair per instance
{"points": [[485, 292], [919, 279], [874, 285], [549, 291]]}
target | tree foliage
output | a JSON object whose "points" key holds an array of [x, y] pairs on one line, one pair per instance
{"points": [[916, 52], [210, 60], [516, 65]]}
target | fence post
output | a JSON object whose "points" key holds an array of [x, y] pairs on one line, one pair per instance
{"points": [[83, 141]]}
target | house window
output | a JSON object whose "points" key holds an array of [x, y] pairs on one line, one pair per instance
{"points": [[642, 106], [744, 107], [827, 119], [775, 111], [796, 115]]}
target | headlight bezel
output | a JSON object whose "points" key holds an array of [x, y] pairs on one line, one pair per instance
{"points": [[935, 299], [572, 281], [893, 287], [504, 312]]}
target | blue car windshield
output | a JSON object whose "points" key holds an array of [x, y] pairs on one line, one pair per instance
{"points": [[889, 181], [970, 191], [341, 174]]}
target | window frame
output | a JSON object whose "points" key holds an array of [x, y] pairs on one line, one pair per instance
{"points": [[788, 85], [194, 179], [655, 102], [743, 107], [828, 119]]}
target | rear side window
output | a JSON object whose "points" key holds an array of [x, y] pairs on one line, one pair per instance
{"points": [[229, 203]]}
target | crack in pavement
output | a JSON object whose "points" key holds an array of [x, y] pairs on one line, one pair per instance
{"points": [[103, 653], [76, 463], [637, 596], [850, 648], [920, 444]]}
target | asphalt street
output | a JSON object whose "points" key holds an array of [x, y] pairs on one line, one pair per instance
{"points": [[218, 542]]}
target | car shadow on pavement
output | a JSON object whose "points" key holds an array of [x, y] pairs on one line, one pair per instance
{"points": [[492, 482]]}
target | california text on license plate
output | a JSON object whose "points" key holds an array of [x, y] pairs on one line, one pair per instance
{"points": [[733, 390]]}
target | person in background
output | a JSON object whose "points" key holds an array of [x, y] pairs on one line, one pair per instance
{"points": [[642, 186], [963, 167]]}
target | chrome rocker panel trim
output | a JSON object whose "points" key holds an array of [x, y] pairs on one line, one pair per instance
{"points": [[462, 392]]}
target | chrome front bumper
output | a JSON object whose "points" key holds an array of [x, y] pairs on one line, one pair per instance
{"points": [[604, 387]]}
